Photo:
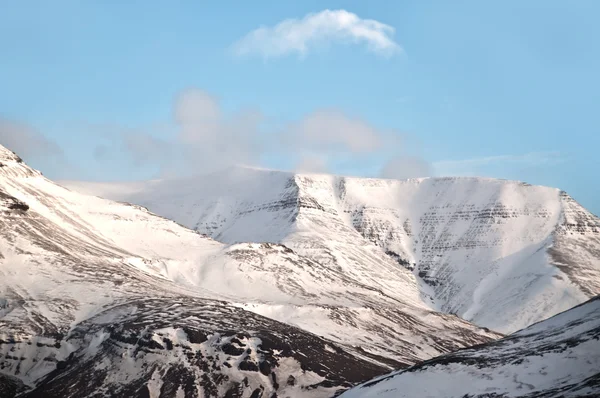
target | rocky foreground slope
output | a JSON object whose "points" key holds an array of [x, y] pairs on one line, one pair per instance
{"points": [[558, 357], [501, 254], [101, 299]]}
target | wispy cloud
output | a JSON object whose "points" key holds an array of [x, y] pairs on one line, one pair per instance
{"points": [[332, 130], [480, 166], [329, 26], [200, 138], [328, 135], [204, 137], [33, 146], [26, 141], [403, 167], [312, 163]]}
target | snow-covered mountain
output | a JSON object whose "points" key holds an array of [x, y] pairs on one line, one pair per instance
{"points": [[99, 298], [501, 254], [556, 358]]}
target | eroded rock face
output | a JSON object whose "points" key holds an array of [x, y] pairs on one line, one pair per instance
{"points": [[9, 203], [10, 386], [576, 246]]}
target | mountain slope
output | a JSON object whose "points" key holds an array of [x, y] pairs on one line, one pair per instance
{"points": [[501, 254], [85, 281], [558, 357], [198, 348]]}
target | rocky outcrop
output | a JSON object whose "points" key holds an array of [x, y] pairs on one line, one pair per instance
{"points": [[200, 348]]}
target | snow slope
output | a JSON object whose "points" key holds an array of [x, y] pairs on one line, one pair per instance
{"points": [[502, 254], [85, 281], [558, 357]]}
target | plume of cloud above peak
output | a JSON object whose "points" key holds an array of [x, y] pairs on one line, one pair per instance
{"points": [[33, 146], [329, 26], [204, 128], [26, 141], [202, 137], [333, 130], [404, 167], [311, 163]]}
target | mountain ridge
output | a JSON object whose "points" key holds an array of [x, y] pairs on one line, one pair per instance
{"points": [[85, 281], [429, 226]]}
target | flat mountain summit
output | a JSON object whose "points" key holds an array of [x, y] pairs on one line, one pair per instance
{"points": [[502, 254]]}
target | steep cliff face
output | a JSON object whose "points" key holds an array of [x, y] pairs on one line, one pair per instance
{"points": [[558, 357], [576, 245], [116, 299], [501, 254]]}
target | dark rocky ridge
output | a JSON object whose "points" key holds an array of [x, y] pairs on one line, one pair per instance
{"points": [[220, 351]]}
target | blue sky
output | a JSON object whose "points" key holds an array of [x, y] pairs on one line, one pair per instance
{"points": [[111, 90]]}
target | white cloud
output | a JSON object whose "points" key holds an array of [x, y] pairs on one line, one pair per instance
{"points": [[312, 163], [328, 26], [35, 148], [199, 116], [144, 149], [26, 141], [204, 137], [331, 130], [328, 138], [209, 138], [403, 167]]}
